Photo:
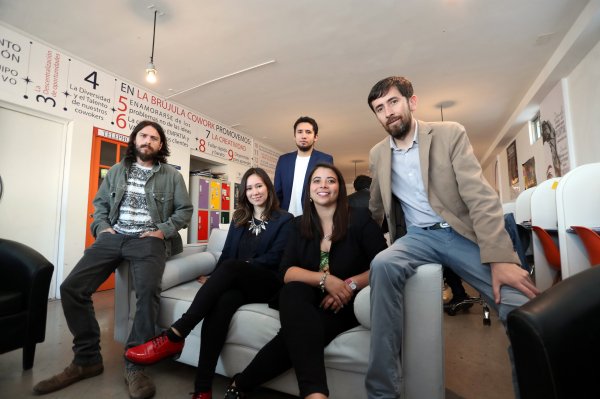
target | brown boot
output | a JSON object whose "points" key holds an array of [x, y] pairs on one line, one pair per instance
{"points": [[139, 384], [70, 375]]}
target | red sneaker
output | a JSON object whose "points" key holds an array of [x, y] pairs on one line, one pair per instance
{"points": [[154, 350], [202, 395]]}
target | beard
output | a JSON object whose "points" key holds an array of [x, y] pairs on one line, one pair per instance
{"points": [[400, 130], [145, 156], [304, 148]]}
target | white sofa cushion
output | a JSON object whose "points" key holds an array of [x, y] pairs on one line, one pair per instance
{"points": [[186, 266], [216, 242], [346, 357], [253, 325]]}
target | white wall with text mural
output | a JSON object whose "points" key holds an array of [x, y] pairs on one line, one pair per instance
{"points": [[38, 78]]}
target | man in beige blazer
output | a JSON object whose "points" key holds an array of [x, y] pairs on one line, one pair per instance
{"points": [[440, 209]]}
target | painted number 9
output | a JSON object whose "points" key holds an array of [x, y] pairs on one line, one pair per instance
{"points": [[230, 153]]}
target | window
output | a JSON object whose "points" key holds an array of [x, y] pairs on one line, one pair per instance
{"points": [[535, 130]]}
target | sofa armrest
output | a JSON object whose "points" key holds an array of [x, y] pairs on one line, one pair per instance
{"points": [[181, 268], [187, 266], [194, 261], [362, 307]]}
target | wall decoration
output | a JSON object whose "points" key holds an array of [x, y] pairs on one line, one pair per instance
{"points": [[513, 169], [529, 173], [554, 133], [40, 77]]}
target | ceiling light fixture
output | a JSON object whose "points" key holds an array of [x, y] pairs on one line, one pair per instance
{"points": [[150, 69], [444, 104], [223, 77]]}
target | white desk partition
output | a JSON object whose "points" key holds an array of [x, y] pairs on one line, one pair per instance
{"points": [[543, 214], [509, 207], [523, 206], [577, 203]]}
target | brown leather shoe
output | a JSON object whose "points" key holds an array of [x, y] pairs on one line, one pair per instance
{"points": [[139, 384], [70, 375]]}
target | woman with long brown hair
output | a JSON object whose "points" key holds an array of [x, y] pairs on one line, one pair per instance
{"points": [[246, 273], [324, 264]]}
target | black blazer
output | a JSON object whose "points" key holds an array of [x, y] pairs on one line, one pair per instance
{"points": [[348, 257], [272, 241]]}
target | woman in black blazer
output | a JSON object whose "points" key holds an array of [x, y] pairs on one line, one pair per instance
{"points": [[324, 264], [246, 273]]}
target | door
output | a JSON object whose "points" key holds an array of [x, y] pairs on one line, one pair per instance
{"points": [[32, 153], [105, 153]]}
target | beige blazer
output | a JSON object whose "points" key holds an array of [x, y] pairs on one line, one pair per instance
{"points": [[455, 187]]}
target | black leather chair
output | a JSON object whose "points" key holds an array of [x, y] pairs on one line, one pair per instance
{"points": [[24, 283], [556, 340]]}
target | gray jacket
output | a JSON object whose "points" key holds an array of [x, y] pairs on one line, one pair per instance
{"points": [[167, 197]]}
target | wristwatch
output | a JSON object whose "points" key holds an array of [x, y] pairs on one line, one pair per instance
{"points": [[351, 283]]}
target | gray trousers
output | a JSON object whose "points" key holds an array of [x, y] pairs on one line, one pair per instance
{"points": [[147, 262], [389, 271]]}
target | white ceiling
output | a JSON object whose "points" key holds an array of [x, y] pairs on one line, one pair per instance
{"points": [[482, 56]]}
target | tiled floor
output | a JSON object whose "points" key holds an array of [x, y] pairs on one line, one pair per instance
{"points": [[477, 365]]}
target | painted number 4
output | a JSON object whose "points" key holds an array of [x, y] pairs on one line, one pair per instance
{"points": [[92, 78]]}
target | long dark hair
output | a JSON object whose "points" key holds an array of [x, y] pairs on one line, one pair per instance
{"points": [[245, 209], [161, 155], [310, 223]]}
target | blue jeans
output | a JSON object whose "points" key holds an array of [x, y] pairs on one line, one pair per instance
{"points": [[389, 271], [147, 258]]}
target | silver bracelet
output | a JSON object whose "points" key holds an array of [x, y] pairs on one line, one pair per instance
{"points": [[322, 282]]}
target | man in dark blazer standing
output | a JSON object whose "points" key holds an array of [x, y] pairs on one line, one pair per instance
{"points": [[440, 209], [360, 197], [293, 168]]}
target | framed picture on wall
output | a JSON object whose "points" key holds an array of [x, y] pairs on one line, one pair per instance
{"points": [[554, 133], [529, 173], [513, 169]]}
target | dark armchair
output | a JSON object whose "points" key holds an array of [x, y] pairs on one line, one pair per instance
{"points": [[556, 340], [24, 283]]}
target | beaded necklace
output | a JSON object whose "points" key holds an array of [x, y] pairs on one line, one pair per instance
{"points": [[256, 229]]}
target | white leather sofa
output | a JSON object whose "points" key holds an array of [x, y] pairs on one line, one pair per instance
{"points": [[253, 325]]}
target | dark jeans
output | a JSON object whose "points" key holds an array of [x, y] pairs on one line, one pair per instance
{"points": [[147, 263], [233, 284], [306, 330]]}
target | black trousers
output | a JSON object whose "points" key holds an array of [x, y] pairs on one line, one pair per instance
{"points": [[233, 284], [146, 258], [305, 331]]}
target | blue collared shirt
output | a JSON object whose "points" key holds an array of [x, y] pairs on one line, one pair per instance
{"points": [[407, 185]]}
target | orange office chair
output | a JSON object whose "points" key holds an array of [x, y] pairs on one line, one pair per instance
{"points": [[591, 242], [551, 251]]}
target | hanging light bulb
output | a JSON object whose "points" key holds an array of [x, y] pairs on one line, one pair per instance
{"points": [[150, 73], [151, 69]]}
